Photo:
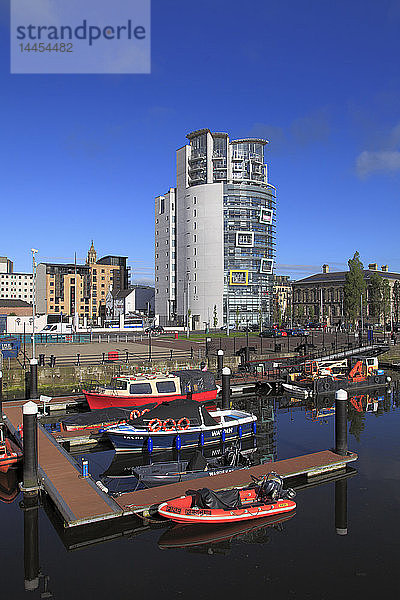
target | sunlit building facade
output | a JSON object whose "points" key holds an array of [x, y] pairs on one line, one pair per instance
{"points": [[215, 235]]}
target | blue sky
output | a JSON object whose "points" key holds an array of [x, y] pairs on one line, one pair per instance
{"points": [[83, 156]]}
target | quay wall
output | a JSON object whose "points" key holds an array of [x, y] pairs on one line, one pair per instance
{"points": [[71, 379]]}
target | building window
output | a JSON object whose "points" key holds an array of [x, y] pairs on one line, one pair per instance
{"points": [[194, 225]]}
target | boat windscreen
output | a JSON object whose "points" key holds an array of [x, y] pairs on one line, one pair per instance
{"points": [[195, 380]]}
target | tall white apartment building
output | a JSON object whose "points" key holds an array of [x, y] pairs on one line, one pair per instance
{"points": [[215, 235], [14, 285]]}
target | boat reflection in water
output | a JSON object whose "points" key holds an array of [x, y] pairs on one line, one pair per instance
{"points": [[188, 536], [9, 489], [129, 472]]}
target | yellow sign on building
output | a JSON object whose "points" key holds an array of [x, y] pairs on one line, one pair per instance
{"points": [[238, 277]]}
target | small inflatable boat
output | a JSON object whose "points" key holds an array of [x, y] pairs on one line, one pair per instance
{"points": [[266, 497]]}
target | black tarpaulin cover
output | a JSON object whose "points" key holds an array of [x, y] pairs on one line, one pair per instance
{"points": [[176, 409], [227, 500], [104, 415], [195, 380]]}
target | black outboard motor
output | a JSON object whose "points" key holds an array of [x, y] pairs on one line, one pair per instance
{"points": [[272, 487]]}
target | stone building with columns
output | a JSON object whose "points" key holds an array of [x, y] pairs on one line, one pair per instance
{"points": [[320, 297]]}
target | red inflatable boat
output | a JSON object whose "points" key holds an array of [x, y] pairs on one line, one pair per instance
{"points": [[265, 498]]}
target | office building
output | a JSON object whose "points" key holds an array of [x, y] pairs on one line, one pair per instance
{"points": [[70, 288], [320, 297], [215, 235], [14, 286]]}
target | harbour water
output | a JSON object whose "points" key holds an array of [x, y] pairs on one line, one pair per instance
{"points": [[342, 541]]}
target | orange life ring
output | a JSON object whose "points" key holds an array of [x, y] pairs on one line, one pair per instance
{"points": [[169, 425], [145, 410], [370, 369], [155, 425], [183, 423], [134, 414]]}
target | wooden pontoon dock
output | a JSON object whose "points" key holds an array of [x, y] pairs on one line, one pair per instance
{"points": [[80, 501]]}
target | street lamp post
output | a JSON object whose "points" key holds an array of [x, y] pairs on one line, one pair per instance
{"points": [[33, 298]]}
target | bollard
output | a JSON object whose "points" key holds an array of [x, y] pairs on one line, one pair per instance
{"points": [[104, 358], [170, 354], [78, 359], [1, 397], [220, 363], [33, 379], [226, 387], [30, 464], [246, 355], [191, 352], [341, 506], [341, 422], [30, 506], [85, 467], [127, 356], [41, 360]]}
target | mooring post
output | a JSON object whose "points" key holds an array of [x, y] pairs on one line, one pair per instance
{"points": [[247, 354], [220, 362], [1, 397], [30, 464], [341, 506], [226, 387], [31, 542], [341, 422], [33, 382]]}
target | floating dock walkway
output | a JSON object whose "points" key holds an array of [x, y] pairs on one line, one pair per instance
{"points": [[80, 501]]}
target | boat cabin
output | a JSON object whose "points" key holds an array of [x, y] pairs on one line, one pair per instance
{"points": [[144, 385]]}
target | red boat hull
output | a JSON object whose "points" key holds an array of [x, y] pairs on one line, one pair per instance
{"points": [[96, 400], [180, 510], [10, 455]]}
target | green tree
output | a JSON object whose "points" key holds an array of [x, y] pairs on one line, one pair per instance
{"points": [[237, 318], [375, 293], [215, 317], [396, 301], [386, 299], [299, 312], [354, 288]]}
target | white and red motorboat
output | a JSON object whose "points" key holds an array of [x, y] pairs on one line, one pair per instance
{"points": [[140, 389], [264, 499]]}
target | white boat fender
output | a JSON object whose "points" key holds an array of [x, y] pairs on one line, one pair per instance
{"points": [[388, 379], [101, 485]]}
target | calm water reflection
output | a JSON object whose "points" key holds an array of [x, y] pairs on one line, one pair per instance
{"points": [[301, 557]]}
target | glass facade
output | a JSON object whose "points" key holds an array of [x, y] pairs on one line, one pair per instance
{"points": [[247, 300]]}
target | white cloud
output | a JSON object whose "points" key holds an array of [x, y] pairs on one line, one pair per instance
{"points": [[368, 162]]}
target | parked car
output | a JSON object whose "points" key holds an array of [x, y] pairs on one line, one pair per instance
{"points": [[270, 333], [298, 331], [223, 328], [315, 325]]}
